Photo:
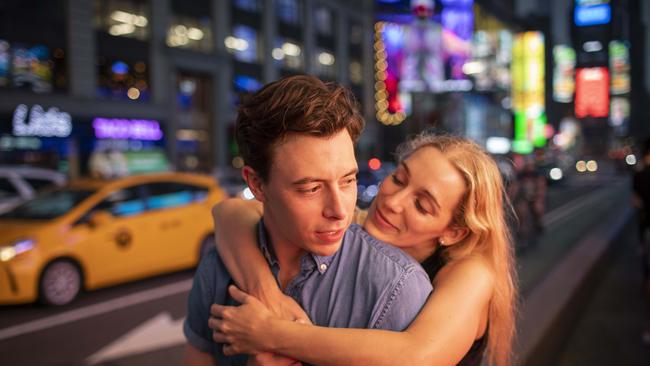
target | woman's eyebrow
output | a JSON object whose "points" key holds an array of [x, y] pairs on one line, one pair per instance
{"points": [[426, 191]]}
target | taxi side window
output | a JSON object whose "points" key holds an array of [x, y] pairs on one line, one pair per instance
{"points": [[123, 202], [7, 189], [169, 194], [39, 184]]}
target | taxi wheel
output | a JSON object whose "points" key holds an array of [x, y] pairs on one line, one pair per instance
{"points": [[60, 283], [206, 245]]}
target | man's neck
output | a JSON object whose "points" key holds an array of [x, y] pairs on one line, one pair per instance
{"points": [[287, 253]]}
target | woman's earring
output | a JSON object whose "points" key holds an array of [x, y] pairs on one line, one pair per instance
{"points": [[441, 242]]}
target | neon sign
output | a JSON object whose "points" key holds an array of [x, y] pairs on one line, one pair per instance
{"points": [[592, 92], [592, 15], [563, 82], [528, 92], [619, 66], [135, 129], [52, 123]]}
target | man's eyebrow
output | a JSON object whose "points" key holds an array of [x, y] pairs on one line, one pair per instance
{"points": [[352, 172], [308, 180], [426, 191]]}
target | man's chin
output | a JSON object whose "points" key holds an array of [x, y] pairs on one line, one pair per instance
{"points": [[324, 249]]}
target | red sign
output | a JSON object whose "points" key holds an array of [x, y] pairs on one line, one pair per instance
{"points": [[592, 92]]}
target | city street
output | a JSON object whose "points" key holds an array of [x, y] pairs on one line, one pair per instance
{"points": [[141, 323], [124, 122]]}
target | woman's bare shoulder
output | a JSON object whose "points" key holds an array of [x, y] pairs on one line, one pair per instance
{"points": [[471, 269]]}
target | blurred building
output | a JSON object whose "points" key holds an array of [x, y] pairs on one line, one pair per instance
{"points": [[161, 79]]}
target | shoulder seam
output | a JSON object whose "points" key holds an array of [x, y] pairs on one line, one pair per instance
{"points": [[407, 264]]}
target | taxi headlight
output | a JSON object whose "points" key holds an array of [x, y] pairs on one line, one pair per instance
{"points": [[8, 252]]}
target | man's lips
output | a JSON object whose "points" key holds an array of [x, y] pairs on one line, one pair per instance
{"points": [[383, 221], [331, 236]]}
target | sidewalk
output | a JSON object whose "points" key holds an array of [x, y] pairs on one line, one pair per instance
{"points": [[609, 329]]}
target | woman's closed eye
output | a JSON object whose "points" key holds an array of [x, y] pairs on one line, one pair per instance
{"points": [[424, 205], [420, 207], [396, 180]]}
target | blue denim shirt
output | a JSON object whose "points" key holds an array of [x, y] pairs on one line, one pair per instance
{"points": [[365, 284]]}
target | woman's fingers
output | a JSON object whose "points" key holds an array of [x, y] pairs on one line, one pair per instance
{"points": [[238, 294], [217, 310], [229, 350], [215, 323], [219, 337]]}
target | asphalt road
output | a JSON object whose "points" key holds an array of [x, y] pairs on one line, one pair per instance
{"points": [[140, 323]]}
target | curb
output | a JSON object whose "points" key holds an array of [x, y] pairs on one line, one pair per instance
{"points": [[548, 313]]}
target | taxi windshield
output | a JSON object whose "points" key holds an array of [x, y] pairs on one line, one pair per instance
{"points": [[49, 205]]}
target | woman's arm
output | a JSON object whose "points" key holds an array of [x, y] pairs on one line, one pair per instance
{"points": [[453, 317], [235, 223]]}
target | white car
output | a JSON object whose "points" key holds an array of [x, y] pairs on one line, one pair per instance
{"points": [[21, 183]]}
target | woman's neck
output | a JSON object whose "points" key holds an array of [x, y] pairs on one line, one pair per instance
{"points": [[421, 252]]}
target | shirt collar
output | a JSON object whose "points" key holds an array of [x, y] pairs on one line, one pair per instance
{"points": [[309, 261], [265, 244]]}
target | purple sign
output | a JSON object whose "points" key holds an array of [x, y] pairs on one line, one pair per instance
{"points": [[134, 129]]}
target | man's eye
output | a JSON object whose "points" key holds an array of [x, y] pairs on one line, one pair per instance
{"points": [[310, 189], [350, 180]]}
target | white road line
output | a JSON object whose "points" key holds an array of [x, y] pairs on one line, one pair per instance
{"points": [[96, 309], [563, 211]]}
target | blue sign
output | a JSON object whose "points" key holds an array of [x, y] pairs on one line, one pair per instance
{"points": [[592, 15]]}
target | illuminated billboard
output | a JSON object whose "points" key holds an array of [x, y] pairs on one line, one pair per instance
{"points": [[619, 66], [528, 101], [489, 66], [589, 15], [414, 58], [564, 58], [592, 92]]}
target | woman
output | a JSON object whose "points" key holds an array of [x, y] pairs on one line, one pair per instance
{"points": [[444, 207]]}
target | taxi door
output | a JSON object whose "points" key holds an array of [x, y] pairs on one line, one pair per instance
{"points": [[179, 221], [116, 238]]}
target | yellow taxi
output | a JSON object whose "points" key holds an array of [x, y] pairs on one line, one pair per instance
{"points": [[90, 234]]}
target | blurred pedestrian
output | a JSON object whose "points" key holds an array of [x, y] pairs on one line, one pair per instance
{"points": [[528, 192], [641, 199]]}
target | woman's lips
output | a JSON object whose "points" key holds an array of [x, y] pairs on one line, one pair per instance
{"points": [[383, 222], [330, 237]]}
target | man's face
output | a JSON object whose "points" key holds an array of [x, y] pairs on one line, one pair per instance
{"points": [[311, 192]]}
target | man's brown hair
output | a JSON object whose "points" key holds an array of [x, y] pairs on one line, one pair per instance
{"points": [[299, 104]]}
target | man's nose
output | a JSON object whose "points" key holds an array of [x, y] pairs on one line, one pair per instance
{"points": [[334, 206]]}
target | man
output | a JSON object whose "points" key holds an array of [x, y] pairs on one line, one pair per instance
{"points": [[296, 137]]}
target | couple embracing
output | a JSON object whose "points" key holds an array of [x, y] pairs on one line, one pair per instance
{"points": [[424, 277]]}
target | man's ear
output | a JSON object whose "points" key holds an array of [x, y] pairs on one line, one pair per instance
{"points": [[453, 235], [254, 182]]}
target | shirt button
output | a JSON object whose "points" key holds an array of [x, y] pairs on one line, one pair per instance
{"points": [[323, 267]]}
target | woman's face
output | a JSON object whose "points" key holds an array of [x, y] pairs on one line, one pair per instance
{"points": [[415, 204]]}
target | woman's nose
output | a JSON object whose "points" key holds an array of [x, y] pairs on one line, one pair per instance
{"points": [[395, 201]]}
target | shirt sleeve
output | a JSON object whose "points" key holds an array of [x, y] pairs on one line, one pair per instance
{"points": [[200, 299], [405, 301]]}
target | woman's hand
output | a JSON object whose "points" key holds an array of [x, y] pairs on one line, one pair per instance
{"points": [[242, 329], [282, 306]]}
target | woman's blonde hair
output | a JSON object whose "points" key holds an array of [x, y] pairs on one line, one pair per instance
{"points": [[483, 211]]}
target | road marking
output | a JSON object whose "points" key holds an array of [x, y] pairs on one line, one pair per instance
{"points": [[572, 206], [158, 332], [96, 309]]}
